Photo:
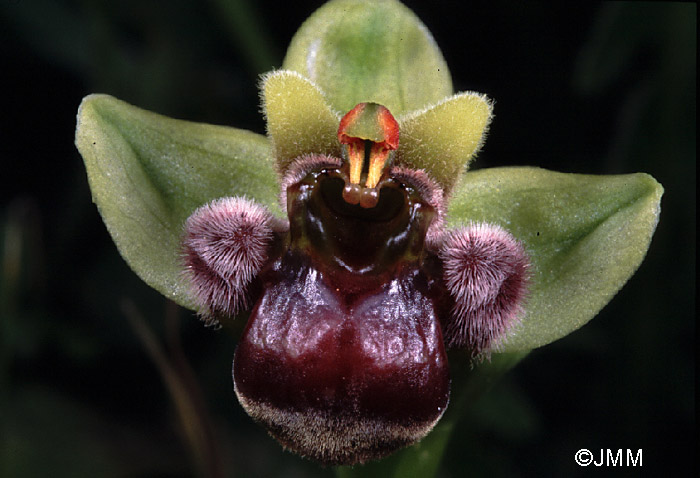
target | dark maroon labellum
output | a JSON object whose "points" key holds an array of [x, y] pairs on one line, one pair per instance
{"points": [[343, 358]]}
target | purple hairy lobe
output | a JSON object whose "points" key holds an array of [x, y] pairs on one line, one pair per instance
{"points": [[225, 246], [486, 272]]}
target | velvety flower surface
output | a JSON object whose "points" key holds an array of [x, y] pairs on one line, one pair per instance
{"points": [[354, 237], [343, 358]]}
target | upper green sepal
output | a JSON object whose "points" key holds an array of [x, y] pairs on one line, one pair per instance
{"points": [[585, 235], [370, 51], [147, 173]]}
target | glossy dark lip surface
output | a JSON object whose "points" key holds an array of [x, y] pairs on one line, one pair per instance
{"points": [[327, 350], [377, 358], [342, 358], [352, 238]]}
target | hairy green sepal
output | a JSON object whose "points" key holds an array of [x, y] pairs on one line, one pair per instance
{"points": [[147, 173], [586, 235]]}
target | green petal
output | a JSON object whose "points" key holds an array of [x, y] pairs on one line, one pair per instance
{"points": [[443, 138], [299, 120], [361, 51], [147, 174], [586, 235]]}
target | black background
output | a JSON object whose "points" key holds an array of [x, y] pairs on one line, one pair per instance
{"points": [[579, 87]]}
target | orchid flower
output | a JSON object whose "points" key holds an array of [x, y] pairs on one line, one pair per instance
{"points": [[354, 237]]}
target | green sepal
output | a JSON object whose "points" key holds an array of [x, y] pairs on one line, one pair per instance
{"points": [[299, 119], [585, 235], [147, 173], [360, 51], [443, 138]]}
